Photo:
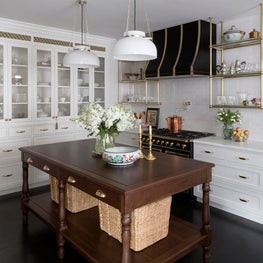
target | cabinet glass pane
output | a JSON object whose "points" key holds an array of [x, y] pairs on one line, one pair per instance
{"points": [[64, 91], [99, 83], [1, 82], [44, 87], [83, 88], [19, 73]]}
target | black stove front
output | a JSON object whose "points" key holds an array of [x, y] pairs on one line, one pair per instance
{"points": [[180, 143]]}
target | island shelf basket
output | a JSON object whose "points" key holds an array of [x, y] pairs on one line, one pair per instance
{"points": [[76, 200], [149, 223]]}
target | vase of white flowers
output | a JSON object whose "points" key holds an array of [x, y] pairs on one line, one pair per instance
{"points": [[228, 118], [105, 124]]}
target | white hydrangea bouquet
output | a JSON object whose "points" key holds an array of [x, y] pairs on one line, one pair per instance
{"points": [[105, 124]]}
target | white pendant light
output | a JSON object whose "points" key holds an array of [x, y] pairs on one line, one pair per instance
{"points": [[81, 57], [134, 46]]}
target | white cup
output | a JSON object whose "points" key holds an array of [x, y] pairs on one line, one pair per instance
{"points": [[62, 99], [46, 99]]}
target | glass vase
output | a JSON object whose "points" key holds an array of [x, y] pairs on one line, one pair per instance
{"points": [[102, 142], [227, 131]]}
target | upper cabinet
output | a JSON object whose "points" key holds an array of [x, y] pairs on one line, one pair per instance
{"points": [[237, 82], [182, 50], [15, 82]]}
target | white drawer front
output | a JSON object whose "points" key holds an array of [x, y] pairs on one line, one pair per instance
{"points": [[20, 131], [235, 199], [10, 176], [241, 176], [9, 149], [204, 152], [3, 132], [245, 158]]}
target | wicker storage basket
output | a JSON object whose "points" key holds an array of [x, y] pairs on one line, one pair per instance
{"points": [[149, 223], [76, 200]]}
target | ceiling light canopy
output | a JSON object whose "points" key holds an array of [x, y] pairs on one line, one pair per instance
{"points": [[135, 46], [80, 56]]}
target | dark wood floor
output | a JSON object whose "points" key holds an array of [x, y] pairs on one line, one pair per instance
{"points": [[235, 240]]}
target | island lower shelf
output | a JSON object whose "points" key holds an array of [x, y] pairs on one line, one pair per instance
{"points": [[85, 235]]}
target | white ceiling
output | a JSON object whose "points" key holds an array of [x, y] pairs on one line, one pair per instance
{"points": [[108, 17]]}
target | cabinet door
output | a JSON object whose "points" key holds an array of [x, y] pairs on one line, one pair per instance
{"points": [[18, 82], [44, 83], [99, 83], [84, 84], [1, 82], [63, 91]]}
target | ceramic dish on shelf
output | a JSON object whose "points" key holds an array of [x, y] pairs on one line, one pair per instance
{"points": [[42, 114], [121, 155]]}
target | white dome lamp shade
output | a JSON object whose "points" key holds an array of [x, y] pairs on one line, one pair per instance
{"points": [[134, 47], [81, 56]]}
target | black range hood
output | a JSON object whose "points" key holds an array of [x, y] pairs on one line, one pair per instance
{"points": [[183, 50]]}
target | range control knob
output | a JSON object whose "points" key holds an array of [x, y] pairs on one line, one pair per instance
{"points": [[167, 143], [171, 144], [162, 142], [184, 146], [158, 141], [153, 140], [177, 144]]}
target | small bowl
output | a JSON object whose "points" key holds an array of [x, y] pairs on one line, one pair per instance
{"points": [[132, 76], [121, 155], [233, 34]]}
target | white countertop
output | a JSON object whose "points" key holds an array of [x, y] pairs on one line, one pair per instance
{"points": [[256, 146]]}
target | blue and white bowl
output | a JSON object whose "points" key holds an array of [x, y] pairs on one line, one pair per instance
{"points": [[121, 155]]}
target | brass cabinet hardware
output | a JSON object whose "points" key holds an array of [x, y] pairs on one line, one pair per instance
{"points": [[71, 180], [206, 151], [46, 168], [100, 193], [243, 177], [243, 200], [29, 160], [23, 131], [45, 129], [8, 119], [7, 150], [64, 128], [243, 158], [7, 175]]}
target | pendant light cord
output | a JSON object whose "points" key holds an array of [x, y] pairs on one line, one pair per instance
{"points": [[134, 15], [82, 22]]}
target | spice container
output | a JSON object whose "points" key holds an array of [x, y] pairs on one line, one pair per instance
{"points": [[254, 34]]}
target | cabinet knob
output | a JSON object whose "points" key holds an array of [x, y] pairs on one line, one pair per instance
{"points": [[243, 177], [7, 175], [100, 193], [23, 131], [64, 128], [206, 151], [243, 158], [243, 200], [46, 168], [44, 129], [71, 180], [7, 151]]}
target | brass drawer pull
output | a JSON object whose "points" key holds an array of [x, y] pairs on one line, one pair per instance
{"points": [[20, 131], [243, 158], [243, 177], [7, 175], [208, 151], [64, 128], [71, 180], [46, 168], [45, 129], [243, 200], [7, 150], [29, 160], [99, 193]]}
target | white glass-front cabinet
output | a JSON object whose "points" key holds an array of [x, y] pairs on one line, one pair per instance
{"points": [[91, 85], [53, 94], [15, 83]]}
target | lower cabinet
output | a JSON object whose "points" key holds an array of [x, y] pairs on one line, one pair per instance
{"points": [[237, 182]]}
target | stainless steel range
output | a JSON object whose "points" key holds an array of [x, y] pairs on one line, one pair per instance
{"points": [[180, 144]]}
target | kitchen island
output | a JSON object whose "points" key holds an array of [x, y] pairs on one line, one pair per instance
{"points": [[124, 188]]}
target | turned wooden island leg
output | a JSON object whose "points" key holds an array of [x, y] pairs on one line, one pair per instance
{"points": [[206, 223], [25, 194], [62, 220], [126, 237]]}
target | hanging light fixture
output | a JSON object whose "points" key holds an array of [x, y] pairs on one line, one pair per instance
{"points": [[81, 57], [135, 46]]}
